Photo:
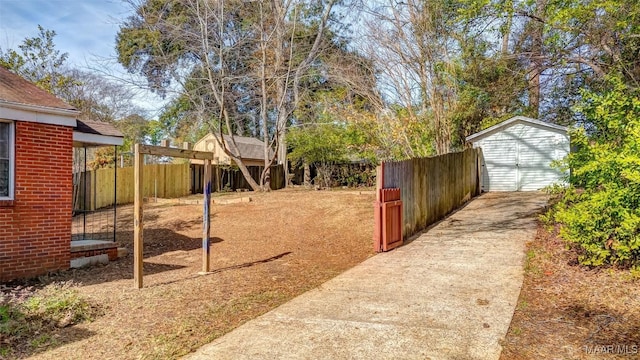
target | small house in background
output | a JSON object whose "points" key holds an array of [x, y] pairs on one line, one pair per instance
{"points": [[251, 150], [37, 135], [517, 154]]}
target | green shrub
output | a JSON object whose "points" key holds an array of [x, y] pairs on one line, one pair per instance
{"points": [[27, 323], [600, 212], [58, 304]]}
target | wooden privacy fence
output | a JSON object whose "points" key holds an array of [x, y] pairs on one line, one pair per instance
{"points": [[164, 181], [161, 180], [227, 178], [432, 187]]}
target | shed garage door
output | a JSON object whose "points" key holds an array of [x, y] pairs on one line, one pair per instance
{"points": [[500, 171], [512, 165], [518, 154]]}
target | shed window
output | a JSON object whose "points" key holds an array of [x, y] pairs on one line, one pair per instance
{"points": [[6, 160]]}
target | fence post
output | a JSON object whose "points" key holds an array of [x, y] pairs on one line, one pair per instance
{"points": [[379, 180], [377, 209]]}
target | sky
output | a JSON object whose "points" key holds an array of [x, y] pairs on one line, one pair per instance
{"points": [[85, 29]]}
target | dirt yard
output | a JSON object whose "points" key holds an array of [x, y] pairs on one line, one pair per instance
{"points": [[567, 311], [264, 253]]}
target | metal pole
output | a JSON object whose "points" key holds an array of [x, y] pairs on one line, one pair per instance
{"points": [[84, 197], [115, 190], [138, 165], [95, 196], [155, 179], [206, 219]]}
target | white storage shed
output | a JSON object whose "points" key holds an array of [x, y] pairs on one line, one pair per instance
{"points": [[518, 152]]}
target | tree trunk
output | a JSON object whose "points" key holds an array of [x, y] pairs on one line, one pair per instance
{"points": [[307, 175], [282, 156], [282, 83], [245, 172], [265, 176], [506, 32], [537, 66]]}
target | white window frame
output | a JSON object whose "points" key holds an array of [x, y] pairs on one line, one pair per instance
{"points": [[12, 159]]}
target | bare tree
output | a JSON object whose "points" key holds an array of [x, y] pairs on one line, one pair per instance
{"points": [[412, 44], [222, 52], [98, 98]]}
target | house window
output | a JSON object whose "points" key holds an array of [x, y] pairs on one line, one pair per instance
{"points": [[6, 160]]}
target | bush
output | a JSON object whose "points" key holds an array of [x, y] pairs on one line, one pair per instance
{"points": [[59, 305], [354, 175], [331, 148], [600, 212]]}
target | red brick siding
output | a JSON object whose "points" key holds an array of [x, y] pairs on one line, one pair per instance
{"points": [[35, 229], [111, 252]]}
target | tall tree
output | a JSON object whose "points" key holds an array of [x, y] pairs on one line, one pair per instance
{"points": [[239, 64], [415, 46], [40, 62], [98, 98], [563, 46]]}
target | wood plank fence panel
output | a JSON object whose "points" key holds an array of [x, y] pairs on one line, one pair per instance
{"points": [[433, 187], [225, 178], [163, 180]]}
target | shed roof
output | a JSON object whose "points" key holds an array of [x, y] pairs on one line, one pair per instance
{"points": [[15, 89], [512, 121], [248, 147]]}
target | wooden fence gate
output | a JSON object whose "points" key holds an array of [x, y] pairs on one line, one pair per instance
{"points": [[388, 220]]}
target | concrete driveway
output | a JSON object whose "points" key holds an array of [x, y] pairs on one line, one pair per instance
{"points": [[448, 294]]}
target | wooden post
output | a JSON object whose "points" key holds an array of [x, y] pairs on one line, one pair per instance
{"points": [[139, 151], [379, 180], [377, 209], [137, 217], [218, 179], [92, 200], [206, 219]]}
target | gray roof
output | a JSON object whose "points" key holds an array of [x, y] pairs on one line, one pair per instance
{"points": [[513, 120], [248, 147]]}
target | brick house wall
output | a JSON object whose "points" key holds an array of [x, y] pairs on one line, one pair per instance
{"points": [[35, 227]]}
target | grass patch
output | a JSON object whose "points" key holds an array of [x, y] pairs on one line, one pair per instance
{"points": [[523, 305], [516, 331], [531, 265], [565, 308], [29, 323]]}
